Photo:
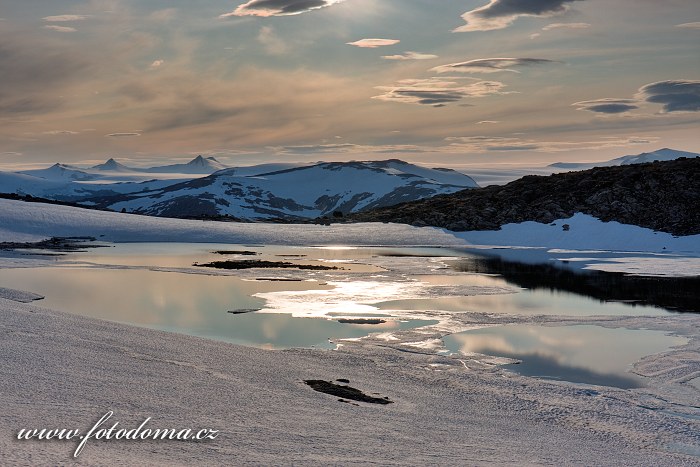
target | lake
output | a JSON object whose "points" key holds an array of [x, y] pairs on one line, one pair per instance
{"points": [[349, 292]]}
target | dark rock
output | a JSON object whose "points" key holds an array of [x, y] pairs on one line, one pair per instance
{"points": [[661, 196]]}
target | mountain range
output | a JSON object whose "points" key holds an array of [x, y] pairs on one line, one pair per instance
{"points": [[268, 191], [206, 188]]}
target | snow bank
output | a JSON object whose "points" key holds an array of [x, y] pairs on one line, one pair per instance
{"points": [[21, 221], [585, 233]]}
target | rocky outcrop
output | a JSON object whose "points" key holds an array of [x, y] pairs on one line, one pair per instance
{"points": [[663, 196]]}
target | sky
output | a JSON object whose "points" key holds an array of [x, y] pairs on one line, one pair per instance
{"points": [[449, 83]]}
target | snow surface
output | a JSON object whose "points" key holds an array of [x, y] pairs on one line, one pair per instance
{"points": [[61, 370], [19, 295], [20, 221], [585, 233]]}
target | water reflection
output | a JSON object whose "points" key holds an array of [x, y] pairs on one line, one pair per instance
{"points": [[187, 303], [671, 293], [580, 354]]}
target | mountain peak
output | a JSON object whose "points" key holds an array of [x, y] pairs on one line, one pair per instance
{"points": [[201, 161], [110, 164]]}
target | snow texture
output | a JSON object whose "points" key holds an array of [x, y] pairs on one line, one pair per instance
{"points": [[61, 370], [21, 220], [584, 233], [19, 295]]}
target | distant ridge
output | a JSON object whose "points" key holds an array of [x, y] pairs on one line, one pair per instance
{"points": [[664, 154]]}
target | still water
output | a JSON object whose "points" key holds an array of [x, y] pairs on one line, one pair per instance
{"points": [[373, 290], [580, 354]]}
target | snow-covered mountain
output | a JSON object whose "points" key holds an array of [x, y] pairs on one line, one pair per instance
{"points": [[294, 193], [664, 154], [198, 165], [62, 172], [112, 166], [113, 171]]}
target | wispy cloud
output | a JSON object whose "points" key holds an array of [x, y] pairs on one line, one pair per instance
{"points": [[349, 149], [676, 95], [490, 65], [60, 28], [410, 55], [607, 105], [34, 73], [695, 25], [485, 144], [487, 122], [61, 132], [549, 27], [157, 63], [63, 18], [499, 14], [374, 43], [278, 7], [435, 92], [123, 135]]}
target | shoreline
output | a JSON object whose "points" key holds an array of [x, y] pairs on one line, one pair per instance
{"points": [[65, 370]]}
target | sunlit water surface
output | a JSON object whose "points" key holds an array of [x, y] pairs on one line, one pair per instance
{"points": [[157, 286]]}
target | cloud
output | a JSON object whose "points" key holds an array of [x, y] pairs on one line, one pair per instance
{"points": [[60, 28], [607, 105], [61, 132], [63, 18], [157, 63], [436, 92], [490, 65], [485, 144], [675, 95], [35, 72], [410, 55], [195, 113], [499, 14], [317, 148], [278, 7], [123, 135], [487, 122], [272, 43], [349, 149], [373, 43], [689, 25], [549, 27]]}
